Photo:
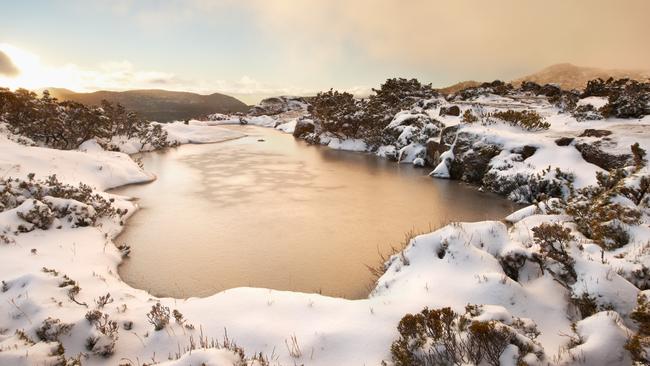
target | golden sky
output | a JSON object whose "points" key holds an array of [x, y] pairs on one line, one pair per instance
{"points": [[258, 47]]}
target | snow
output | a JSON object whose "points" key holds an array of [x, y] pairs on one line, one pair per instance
{"points": [[604, 335], [347, 144], [596, 102], [97, 168], [456, 265], [197, 132], [287, 127]]}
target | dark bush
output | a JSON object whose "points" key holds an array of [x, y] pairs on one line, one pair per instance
{"points": [[66, 125]]}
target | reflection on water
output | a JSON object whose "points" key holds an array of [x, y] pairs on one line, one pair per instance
{"points": [[280, 214]]}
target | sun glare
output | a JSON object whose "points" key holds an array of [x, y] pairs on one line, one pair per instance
{"points": [[33, 74]]}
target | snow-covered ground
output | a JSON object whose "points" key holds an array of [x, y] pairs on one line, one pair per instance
{"points": [[457, 265]]}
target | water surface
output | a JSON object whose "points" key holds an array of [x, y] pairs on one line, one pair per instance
{"points": [[280, 214]]}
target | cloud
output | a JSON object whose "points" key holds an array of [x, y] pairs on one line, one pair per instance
{"points": [[475, 36], [7, 67], [123, 75], [473, 39]]}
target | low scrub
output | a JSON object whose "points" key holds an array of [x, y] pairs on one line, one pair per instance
{"points": [[528, 120]]}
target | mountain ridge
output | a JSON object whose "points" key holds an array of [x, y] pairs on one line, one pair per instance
{"points": [[566, 75], [158, 104]]}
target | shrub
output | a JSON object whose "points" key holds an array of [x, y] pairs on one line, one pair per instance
{"points": [[444, 337], [103, 344], [158, 316], [336, 111], [639, 155], [39, 215], [469, 117], [601, 219], [638, 344], [51, 329], [553, 240], [528, 120]]}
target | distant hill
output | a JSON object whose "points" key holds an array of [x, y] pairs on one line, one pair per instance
{"points": [[459, 86], [569, 76], [159, 105]]}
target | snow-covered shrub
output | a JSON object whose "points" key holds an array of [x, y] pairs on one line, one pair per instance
{"points": [[604, 212], [411, 128], [342, 115], [51, 329], [36, 213], [40, 202], [103, 342], [158, 316], [444, 337], [586, 112], [626, 98], [528, 120], [522, 187], [496, 87], [511, 263]]}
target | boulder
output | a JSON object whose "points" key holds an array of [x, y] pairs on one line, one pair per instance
{"points": [[525, 151], [453, 110], [593, 154], [591, 132], [434, 150], [303, 127], [448, 134], [564, 141]]}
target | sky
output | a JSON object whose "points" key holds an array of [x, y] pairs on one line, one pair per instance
{"points": [[257, 48]]}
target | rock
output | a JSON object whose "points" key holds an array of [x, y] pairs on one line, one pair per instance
{"points": [[448, 134], [564, 141], [593, 154], [453, 110], [525, 151], [276, 105], [434, 150], [303, 127], [591, 132]]}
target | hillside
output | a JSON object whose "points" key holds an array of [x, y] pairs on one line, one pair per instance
{"points": [[459, 86], [159, 105], [569, 76]]}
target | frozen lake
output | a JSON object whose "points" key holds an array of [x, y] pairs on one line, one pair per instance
{"points": [[280, 214]]}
